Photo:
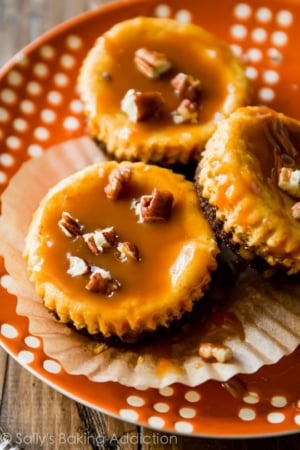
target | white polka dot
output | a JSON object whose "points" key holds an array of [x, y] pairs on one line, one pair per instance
{"points": [[246, 414], [6, 159], [34, 88], [251, 73], [3, 177], [284, 18], [263, 15], [4, 115], [242, 11], [275, 417], [266, 94], [166, 391], [254, 55], [161, 407], [183, 427], [48, 115], [163, 11], [32, 342], [8, 331], [156, 422], [34, 150], [259, 35], [74, 42], [183, 16], [129, 414], [275, 55], [238, 31], [20, 124], [8, 96], [40, 70], [61, 79], [187, 413], [22, 60], [27, 107], [14, 78], [297, 419], [134, 400], [270, 76], [67, 61], [47, 52], [236, 49], [13, 142], [54, 97], [25, 357], [76, 106], [251, 398], [41, 133], [6, 281], [192, 396], [279, 38], [278, 401], [51, 366], [71, 123]]}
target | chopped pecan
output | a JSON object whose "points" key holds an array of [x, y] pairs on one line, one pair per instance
{"points": [[154, 207], [236, 387], [141, 106], [101, 281], [186, 86], [296, 210], [289, 181], [77, 266], [98, 240], [150, 63], [117, 181], [69, 225], [106, 76], [210, 351], [187, 111], [128, 250]]}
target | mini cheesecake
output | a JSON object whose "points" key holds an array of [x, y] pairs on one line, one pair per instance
{"points": [[248, 182], [119, 249], [154, 89]]}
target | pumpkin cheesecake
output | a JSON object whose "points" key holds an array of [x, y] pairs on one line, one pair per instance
{"points": [[154, 89], [249, 185], [119, 249]]}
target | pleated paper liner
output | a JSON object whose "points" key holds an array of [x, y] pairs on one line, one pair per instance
{"points": [[257, 318]]}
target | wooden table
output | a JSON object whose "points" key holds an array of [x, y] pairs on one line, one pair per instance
{"points": [[34, 414]]}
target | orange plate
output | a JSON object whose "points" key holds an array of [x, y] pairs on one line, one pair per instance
{"points": [[39, 107]]}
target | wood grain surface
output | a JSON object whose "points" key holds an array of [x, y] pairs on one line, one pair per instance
{"points": [[34, 415]]}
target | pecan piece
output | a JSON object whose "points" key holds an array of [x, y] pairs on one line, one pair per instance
{"points": [[101, 282], [187, 111], [213, 352], [141, 106], [289, 181], [128, 250], [69, 225], [154, 207], [236, 387], [77, 266], [150, 63], [117, 181], [98, 240], [186, 86]]}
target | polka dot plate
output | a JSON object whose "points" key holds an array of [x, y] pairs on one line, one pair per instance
{"points": [[39, 107]]}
